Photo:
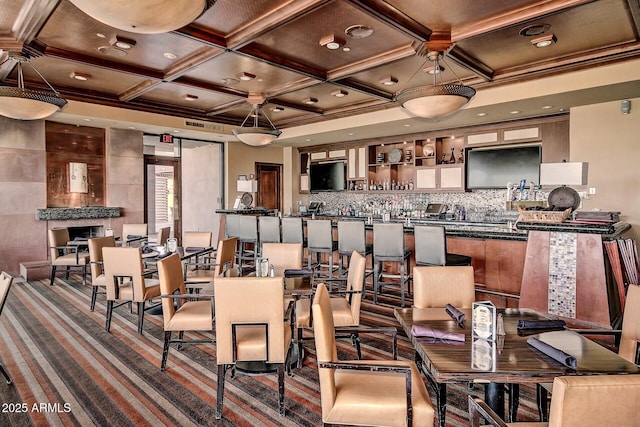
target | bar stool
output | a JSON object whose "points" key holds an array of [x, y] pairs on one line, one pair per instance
{"points": [[388, 246], [292, 231], [351, 237], [431, 247], [319, 241], [247, 235], [268, 230]]}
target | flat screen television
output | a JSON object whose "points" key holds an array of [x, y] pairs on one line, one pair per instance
{"points": [[495, 167], [328, 176]]}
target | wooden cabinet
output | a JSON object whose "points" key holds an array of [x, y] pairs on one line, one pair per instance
{"points": [[357, 168], [440, 164], [391, 166], [305, 163]]}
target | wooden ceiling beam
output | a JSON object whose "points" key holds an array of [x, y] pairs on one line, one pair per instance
{"points": [[476, 66], [364, 88], [188, 63], [513, 17], [384, 12], [272, 20], [371, 62], [282, 63], [32, 17], [299, 107]]}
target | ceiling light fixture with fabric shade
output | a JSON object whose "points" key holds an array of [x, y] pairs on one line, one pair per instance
{"points": [[28, 104], [437, 100], [255, 135], [144, 16]]}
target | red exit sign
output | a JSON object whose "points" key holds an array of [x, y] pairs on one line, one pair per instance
{"points": [[166, 137]]}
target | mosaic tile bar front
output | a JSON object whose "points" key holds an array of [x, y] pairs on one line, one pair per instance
{"points": [[562, 274], [479, 205]]}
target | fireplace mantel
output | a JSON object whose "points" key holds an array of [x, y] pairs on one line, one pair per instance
{"points": [[88, 212]]}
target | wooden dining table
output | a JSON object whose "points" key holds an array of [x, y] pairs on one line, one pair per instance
{"points": [[508, 360]]}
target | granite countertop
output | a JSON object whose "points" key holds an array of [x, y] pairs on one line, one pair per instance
{"points": [[87, 212], [249, 211]]}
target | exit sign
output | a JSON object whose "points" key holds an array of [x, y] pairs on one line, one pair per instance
{"points": [[166, 137]]}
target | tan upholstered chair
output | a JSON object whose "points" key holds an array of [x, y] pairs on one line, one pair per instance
{"points": [[196, 239], [345, 305], [64, 255], [580, 401], [371, 392], [134, 234], [126, 282], [193, 312], [5, 286], [283, 256], [205, 272], [97, 267], [435, 287], [252, 325], [629, 338]]}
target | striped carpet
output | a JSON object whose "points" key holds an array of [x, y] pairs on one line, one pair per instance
{"points": [[68, 371]]}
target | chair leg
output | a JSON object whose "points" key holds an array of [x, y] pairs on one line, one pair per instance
{"points": [[220, 392], [107, 325], [402, 284], [514, 401], [180, 337], [6, 375], [281, 389], [355, 339], [84, 275], [66, 273], [542, 398], [94, 296], [376, 269], [300, 348], [53, 274], [165, 350], [140, 316]]}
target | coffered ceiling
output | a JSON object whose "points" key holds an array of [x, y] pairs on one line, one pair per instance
{"points": [[240, 51]]}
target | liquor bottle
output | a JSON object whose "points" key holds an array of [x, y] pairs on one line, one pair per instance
{"points": [[452, 159], [410, 184]]}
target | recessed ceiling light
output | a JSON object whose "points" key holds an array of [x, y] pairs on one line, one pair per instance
{"points": [[482, 114], [122, 42], [170, 55], [176, 131], [544, 41], [245, 77], [339, 93], [534, 30], [87, 119], [102, 36], [359, 31], [515, 112], [346, 49], [350, 134], [407, 125], [308, 140], [547, 107], [310, 101], [230, 81], [132, 127], [332, 42], [389, 81], [189, 97], [277, 109], [80, 76], [112, 51]]}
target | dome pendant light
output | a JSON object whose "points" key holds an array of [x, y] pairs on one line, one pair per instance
{"points": [[144, 16], [27, 104], [255, 135], [439, 100]]}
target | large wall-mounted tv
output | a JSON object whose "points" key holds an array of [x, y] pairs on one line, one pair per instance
{"points": [[495, 167], [328, 176]]}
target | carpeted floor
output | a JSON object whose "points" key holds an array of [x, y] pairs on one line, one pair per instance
{"points": [[68, 371]]}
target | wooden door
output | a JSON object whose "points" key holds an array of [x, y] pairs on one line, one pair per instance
{"points": [[269, 176]]}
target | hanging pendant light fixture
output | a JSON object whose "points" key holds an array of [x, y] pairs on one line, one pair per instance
{"points": [[27, 104], [144, 16], [255, 135], [438, 100]]}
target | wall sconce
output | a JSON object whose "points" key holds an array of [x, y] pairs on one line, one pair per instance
{"points": [[78, 178]]}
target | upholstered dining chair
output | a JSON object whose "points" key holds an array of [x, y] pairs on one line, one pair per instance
{"points": [[435, 287], [579, 401], [628, 338], [65, 255], [196, 239], [365, 392], [252, 325], [193, 312], [345, 305], [200, 273], [126, 281], [283, 256], [97, 267], [163, 235], [5, 286], [134, 233]]}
